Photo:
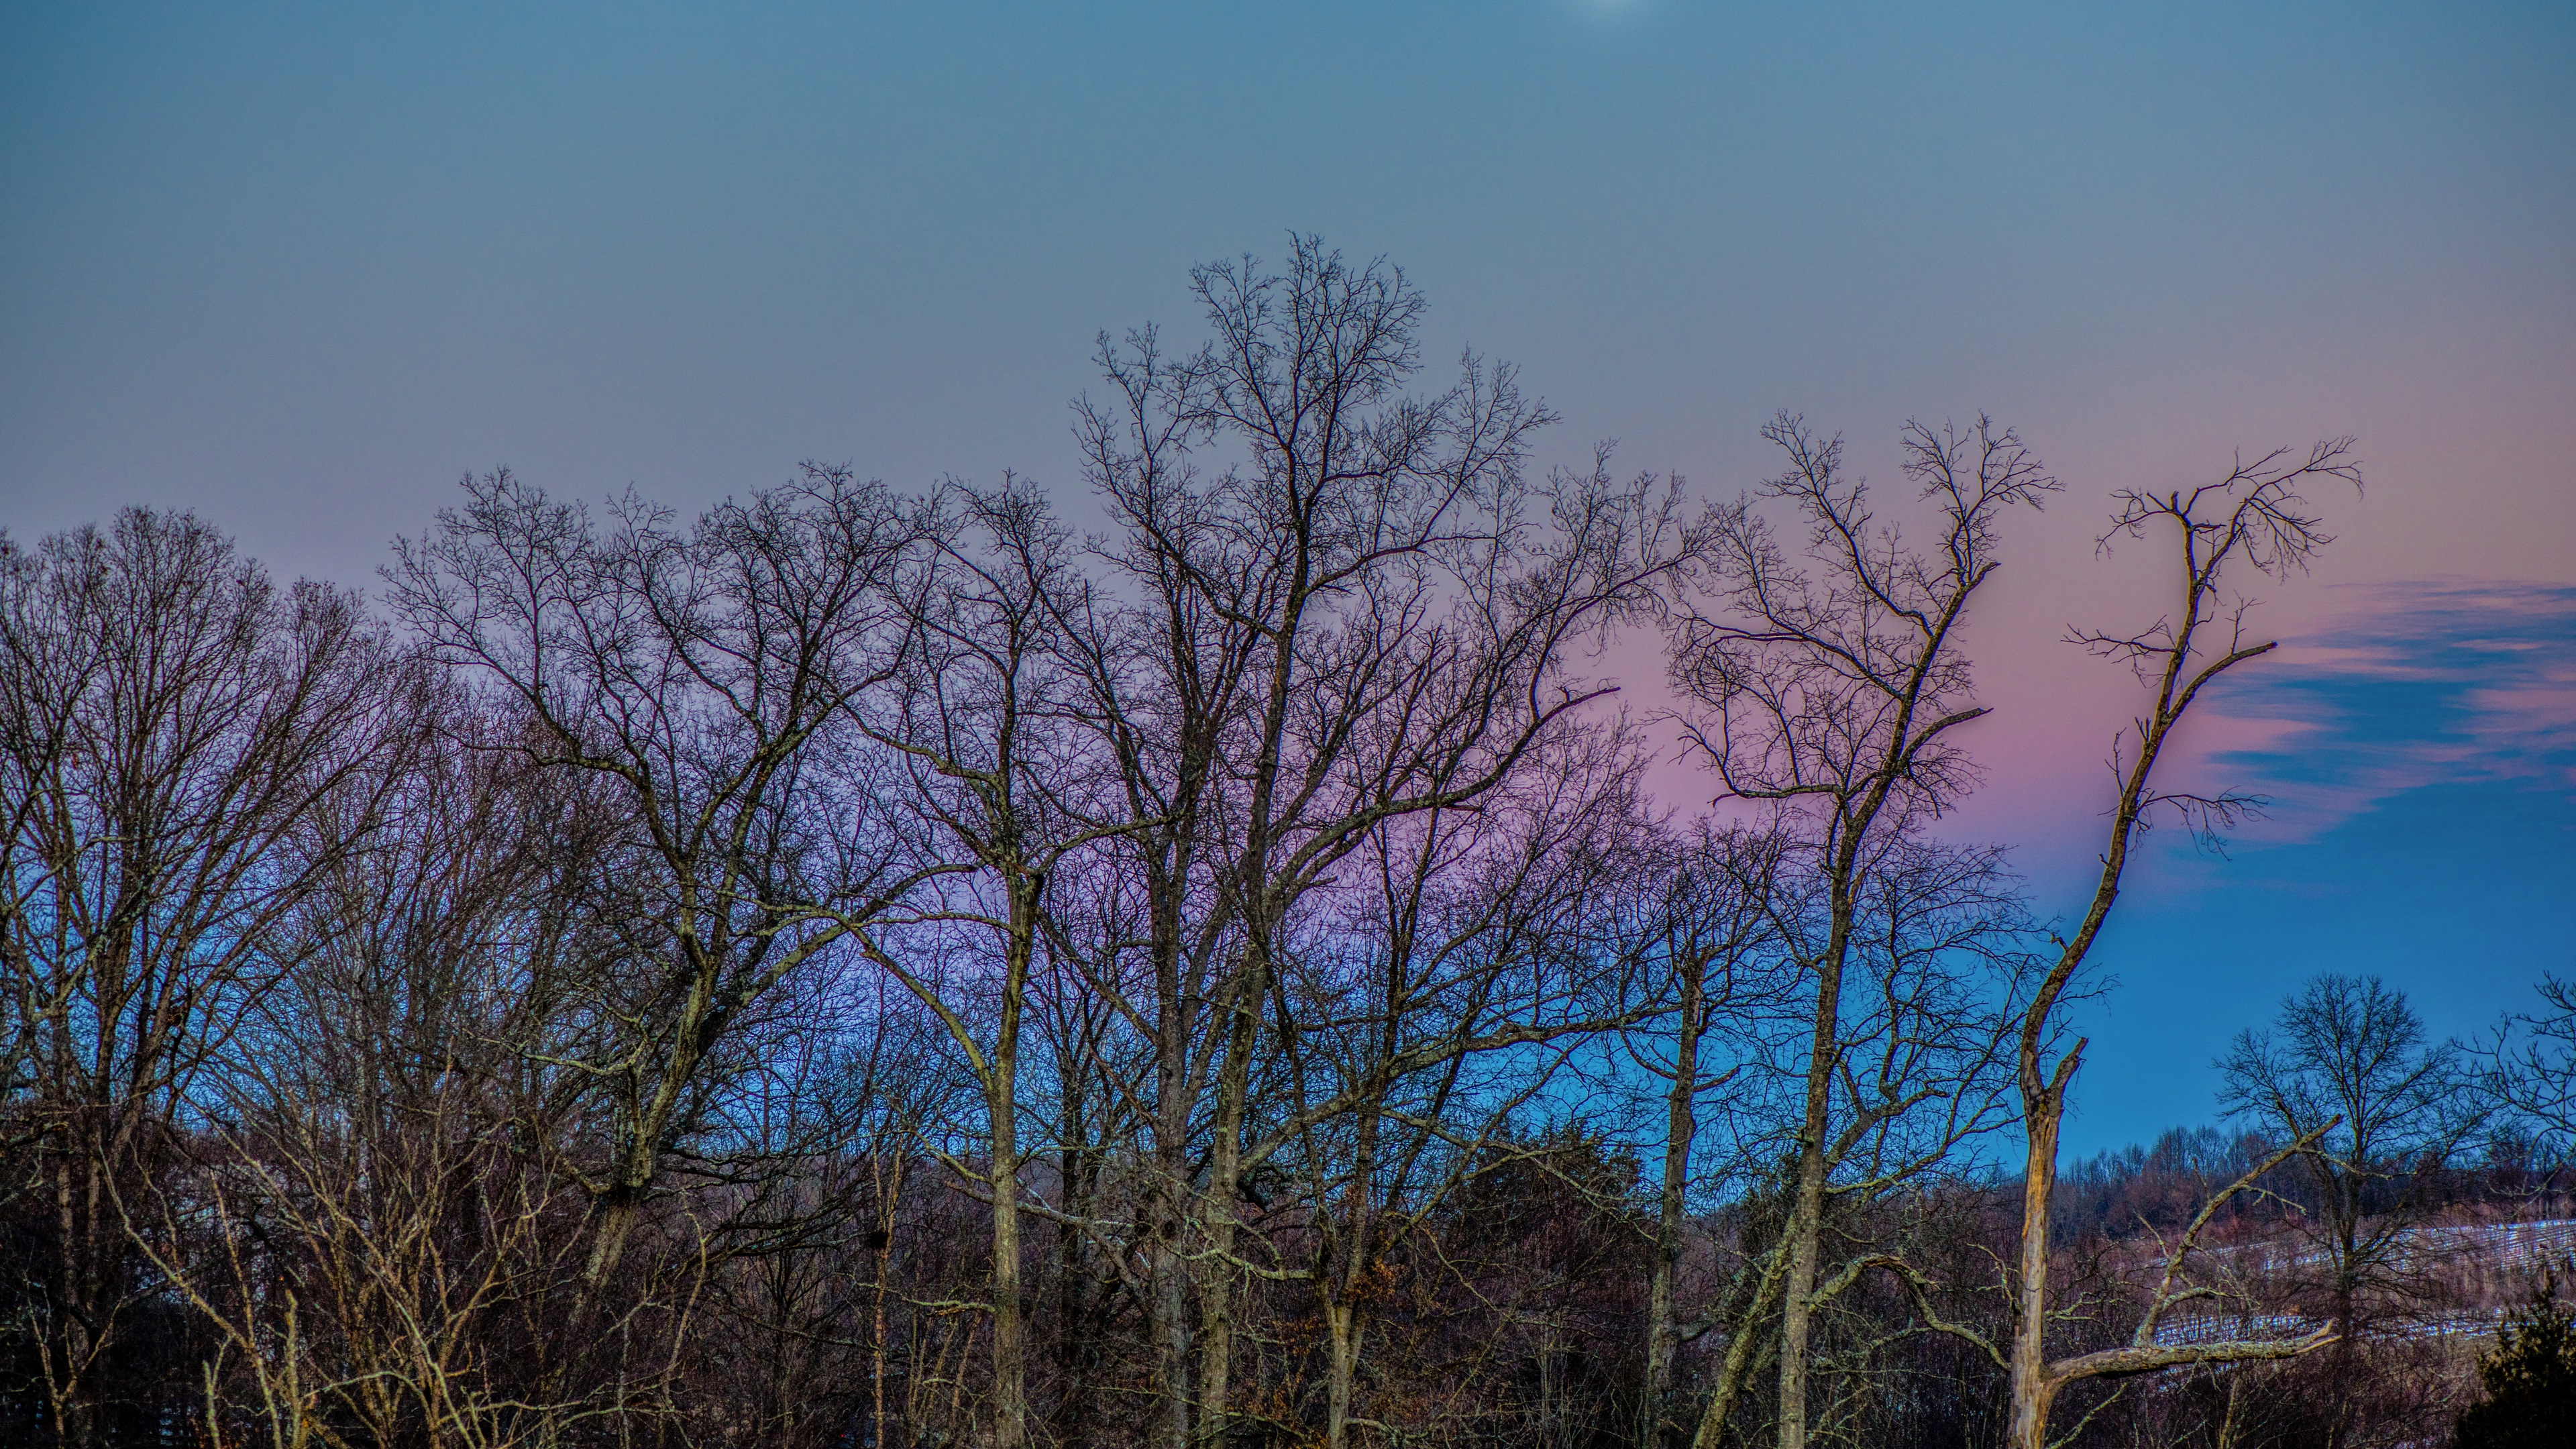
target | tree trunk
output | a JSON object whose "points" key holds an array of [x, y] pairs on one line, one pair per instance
{"points": [[1681, 1121], [67, 1387], [613, 1224], [1001, 1103], [1171, 1334], [1342, 1332], [887, 1205], [1167, 1207], [1010, 1350], [1807, 1213], [1216, 1284], [1739, 1365], [2034, 1389], [1078, 1338], [1225, 1176], [1171, 1222]]}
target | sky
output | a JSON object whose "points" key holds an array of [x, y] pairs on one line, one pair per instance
{"points": [[301, 267]]}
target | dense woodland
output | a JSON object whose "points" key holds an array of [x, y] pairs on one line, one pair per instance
{"points": [[880, 967]]}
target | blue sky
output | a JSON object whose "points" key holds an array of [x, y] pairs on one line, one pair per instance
{"points": [[2420, 756], [299, 267]]}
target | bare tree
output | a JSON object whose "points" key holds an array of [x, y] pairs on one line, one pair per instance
{"points": [[982, 713], [1829, 683], [170, 724], [2347, 1069], [1711, 930], [2533, 1080], [805, 1283], [1934, 939], [699, 679], [380, 1156], [1419, 1021], [1088, 1105], [2254, 518], [1353, 621]]}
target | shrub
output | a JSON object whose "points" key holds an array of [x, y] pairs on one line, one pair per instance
{"points": [[2530, 1380]]}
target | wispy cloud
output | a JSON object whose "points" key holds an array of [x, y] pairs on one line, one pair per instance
{"points": [[2418, 684]]}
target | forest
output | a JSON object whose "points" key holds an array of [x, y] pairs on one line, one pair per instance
{"points": [[1210, 959]]}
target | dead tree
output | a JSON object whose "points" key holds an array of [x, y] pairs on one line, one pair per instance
{"points": [[2254, 518]]}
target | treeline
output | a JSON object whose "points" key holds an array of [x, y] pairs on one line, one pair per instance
{"points": [[875, 968]]}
